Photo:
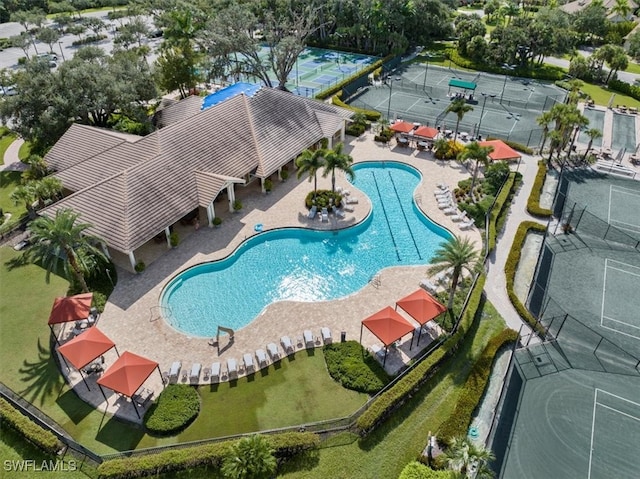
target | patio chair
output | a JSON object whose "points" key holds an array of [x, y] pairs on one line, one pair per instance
{"points": [[340, 214], [466, 226], [247, 359], [215, 372], [348, 208], [352, 200], [450, 211], [308, 338], [444, 206], [286, 344], [174, 372], [273, 351], [325, 215], [232, 367], [261, 357], [194, 375], [442, 191], [428, 286], [326, 335], [377, 351], [459, 217], [312, 212]]}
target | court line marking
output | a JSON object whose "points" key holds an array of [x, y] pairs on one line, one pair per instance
{"points": [[609, 214], [623, 191], [619, 188], [610, 260], [621, 322], [604, 289], [593, 420], [625, 223]]}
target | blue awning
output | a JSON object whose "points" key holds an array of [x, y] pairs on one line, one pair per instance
{"points": [[467, 85]]}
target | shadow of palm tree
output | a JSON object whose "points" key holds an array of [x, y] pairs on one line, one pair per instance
{"points": [[17, 262], [41, 377]]}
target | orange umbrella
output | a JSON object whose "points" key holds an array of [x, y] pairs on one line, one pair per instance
{"points": [[387, 325], [422, 307], [402, 127]]}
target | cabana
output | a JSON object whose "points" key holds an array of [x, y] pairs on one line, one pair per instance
{"points": [[86, 348], [127, 374], [388, 326], [501, 151], [70, 308], [465, 85], [402, 127], [422, 307], [426, 132]]}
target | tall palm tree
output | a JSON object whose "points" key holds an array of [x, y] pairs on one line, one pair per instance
{"points": [[462, 453], [473, 151], [544, 121], [622, 8], [63, 242], [336, 160], [24, 194], [250, 458], [48, 188], [459, 107], [457, 254], [593, 134], [311, 161], [37, 168]]}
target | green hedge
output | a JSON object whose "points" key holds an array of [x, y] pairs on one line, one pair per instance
{"points": [[513, 144], [458, 422], [416, 470], [354, 368], [324, 94], [500, 203], [371, 115], [399, 392], [323, 199], [177, 407], [533, 203], [511, 266], [355, 129], [32, 432], [623, 87], [285, 445]]}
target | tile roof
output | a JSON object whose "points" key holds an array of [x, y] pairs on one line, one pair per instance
{"points": [[130, 191]]}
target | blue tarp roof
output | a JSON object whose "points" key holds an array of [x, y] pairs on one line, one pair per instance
{"points": [[248, 89]]}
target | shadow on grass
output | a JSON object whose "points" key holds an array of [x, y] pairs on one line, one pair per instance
{"points": [[305, 461], [119, 435], [74, 407], [41, 377], [17, 262]]}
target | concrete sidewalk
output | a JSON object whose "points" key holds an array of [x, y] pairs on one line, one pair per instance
{"points": [[11, 158]]}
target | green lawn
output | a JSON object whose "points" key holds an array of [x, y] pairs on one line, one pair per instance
{"points": [[5, 141], [633, 67], [602, 95], [25, 151], [8, 182]]}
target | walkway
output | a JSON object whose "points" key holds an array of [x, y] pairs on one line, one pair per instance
{"points": [[11, 158]]}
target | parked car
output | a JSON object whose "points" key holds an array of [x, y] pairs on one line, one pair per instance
{"points": [[8, 90]]}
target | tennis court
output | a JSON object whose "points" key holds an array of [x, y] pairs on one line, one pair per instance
{"points": [[503, 106], [624, 208]]}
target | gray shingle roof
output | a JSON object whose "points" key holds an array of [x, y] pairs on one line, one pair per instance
{"points": [[131, 191]]}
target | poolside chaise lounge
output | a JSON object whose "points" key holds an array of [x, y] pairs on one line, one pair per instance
{"points": [[261, 357], [215, 372], [247, 359], [308, 338], [428, 286], [444, 206], [347, 207], [467, 225], [194, 375], [272, 348], [340, 214], [352, 200], [325, 215], [312, 212], [175, 370], [326, 335], [232, 367], [286, 344]]}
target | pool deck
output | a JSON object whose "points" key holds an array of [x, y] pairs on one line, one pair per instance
{"points": [[132, 316]]}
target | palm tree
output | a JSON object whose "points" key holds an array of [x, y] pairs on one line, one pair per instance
{"points": [[473, 151], [250, 458], [622, 8], [24, 194], [457, 254], [463, 453], [544, 121], [61, 241], [459, 107], [336, 160], [311, 161], [37, 168], [48, 188], [593, 134]]}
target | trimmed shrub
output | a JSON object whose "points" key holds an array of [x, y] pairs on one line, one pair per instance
{"points": [[395, 396], [458, 422], [511, 266], [354, 368], [371, 115], [355, 129], [515, 145], [533, 203], [32, 432], [177, 407], [384, 136], [623, 87], [285, 445], [323, 199], [500, 203], [88, 40], [416, 470]]}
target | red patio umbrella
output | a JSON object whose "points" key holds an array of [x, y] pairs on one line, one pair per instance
{"points": [[402, 127], [422, 307], [70, 308], [426, 132], [388, 326]]}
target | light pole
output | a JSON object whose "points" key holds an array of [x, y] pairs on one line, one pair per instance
{"points": [[61, 51], [426, 70], [504, 85], [484, 102], [390, 80]]}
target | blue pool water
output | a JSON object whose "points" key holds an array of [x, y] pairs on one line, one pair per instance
{"points": [[302, 265]]}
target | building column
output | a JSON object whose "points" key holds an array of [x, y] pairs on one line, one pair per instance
{"points": [[105, 250], [343, 131], [330, 142], [262, 188], [280, 174], [132, 260], [232, 196], [211, 213], [167, 233]]}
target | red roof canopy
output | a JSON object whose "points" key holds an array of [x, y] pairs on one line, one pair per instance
{"points": [[388, 325], [501, 151], [128, 373], [426, 132], [71, 308], [421, 306], [402, 127], [86, 347]]}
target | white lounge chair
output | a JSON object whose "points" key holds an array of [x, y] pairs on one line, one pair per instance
{"points": [[467, 225], [326, 335], [338, 189], [308, 338], [441, 191], [442, 276], [215, 372], [340, 214], [261, 357], [194, 375], [378, 352], [286, 345], [346, 192], [273, 351], [247, 359], [232, 367], [428, 286], [347, 207], [174, 372], [444, 206], [443, 186], [450, 211], [312, 212], [325, 215], [352, 200], [460, 217]]}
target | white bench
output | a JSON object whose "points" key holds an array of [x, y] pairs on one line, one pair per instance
{"points": [[611, 167]]}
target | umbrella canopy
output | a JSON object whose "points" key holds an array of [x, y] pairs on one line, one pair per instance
{"points": [[127, 374], [86, 347], [71, 308], [387, 325], [501, 151], [421, 306], [402, 127], [426, 132]]}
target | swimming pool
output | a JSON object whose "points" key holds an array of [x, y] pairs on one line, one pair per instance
{"points": [[303, 265]]}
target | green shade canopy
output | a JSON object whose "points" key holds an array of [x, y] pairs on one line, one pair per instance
{"points": [[467, 85]]}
